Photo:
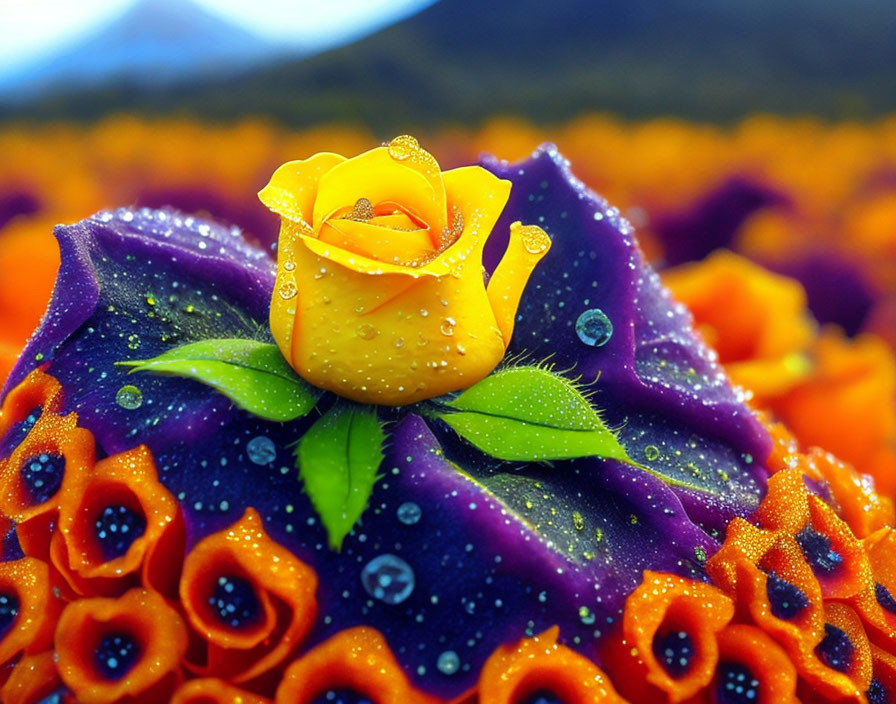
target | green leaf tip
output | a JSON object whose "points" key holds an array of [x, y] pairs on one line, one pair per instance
{"points": [[252, 374], [530, 414], [338, 460]]}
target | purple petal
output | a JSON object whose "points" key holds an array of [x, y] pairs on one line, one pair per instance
{"points": [[713, 221], [133, 284], [653, 379]]}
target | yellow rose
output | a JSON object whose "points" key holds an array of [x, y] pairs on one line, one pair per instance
{"points": [[380, 294]]}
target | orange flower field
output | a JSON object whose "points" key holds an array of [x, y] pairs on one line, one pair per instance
{"points": [[801, 198], [778, 235]]}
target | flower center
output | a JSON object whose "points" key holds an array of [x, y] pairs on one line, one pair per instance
{"points": [[835, 650], [787, 600], [737, 685], [42, 475], [116, 528], [885, 598], [9, 609], [116, 655], [234, 601], [818, 551], [675, 650], [543, 696], [341, 696], [19, 431]]}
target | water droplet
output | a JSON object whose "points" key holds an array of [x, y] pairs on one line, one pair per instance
{"points": [[366, 331], [133, 341], [578, 521], [585, 616], [651, 453], [289, 266], [409, 513], [388, 578], [287, 290], [448, 662], [261, 450], [447, 326], [594, 328], [399, 342], [362, 210], [129, 397], [403, 147], [534, 239]]}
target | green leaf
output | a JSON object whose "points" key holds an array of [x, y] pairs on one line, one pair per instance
{"points": [[530, 414], [338, 459], [252, 374]]}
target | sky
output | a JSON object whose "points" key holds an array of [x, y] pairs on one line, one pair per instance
{"points": [[30, 29]]}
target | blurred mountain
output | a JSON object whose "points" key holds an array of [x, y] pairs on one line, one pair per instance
{"points": [[153, 43], [462, 60]]}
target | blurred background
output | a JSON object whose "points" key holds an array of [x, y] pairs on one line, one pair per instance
{"points": [[751, 142]]}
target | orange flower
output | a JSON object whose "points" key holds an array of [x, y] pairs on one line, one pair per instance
{"points": [[883, 680], [515, 673], [835, 555], [33, 679], [379, 294], [38, 393], [846, 406], [357, 658], [757, 321], [752, 667], [250, 599], [53, 454], [129, 648], [840, 665], [28, 608], [862, 508], [877, 605], [214, 691], [772, 584], [668, 646], [118, 524]]}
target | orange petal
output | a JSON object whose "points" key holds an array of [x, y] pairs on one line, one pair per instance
{"points": [[292, 189], [28, 608], [773, 585], [269, 591], [877, 606], [784, 444], [214, 691], [744, 542], [53, 454], [834, 553], [515, 672], [840, 665], [33, 678], [358, 658], [860, 506], [752, 667], [668, 645], [112, 649], [38, 393], [883, 677], [123, 492]]}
